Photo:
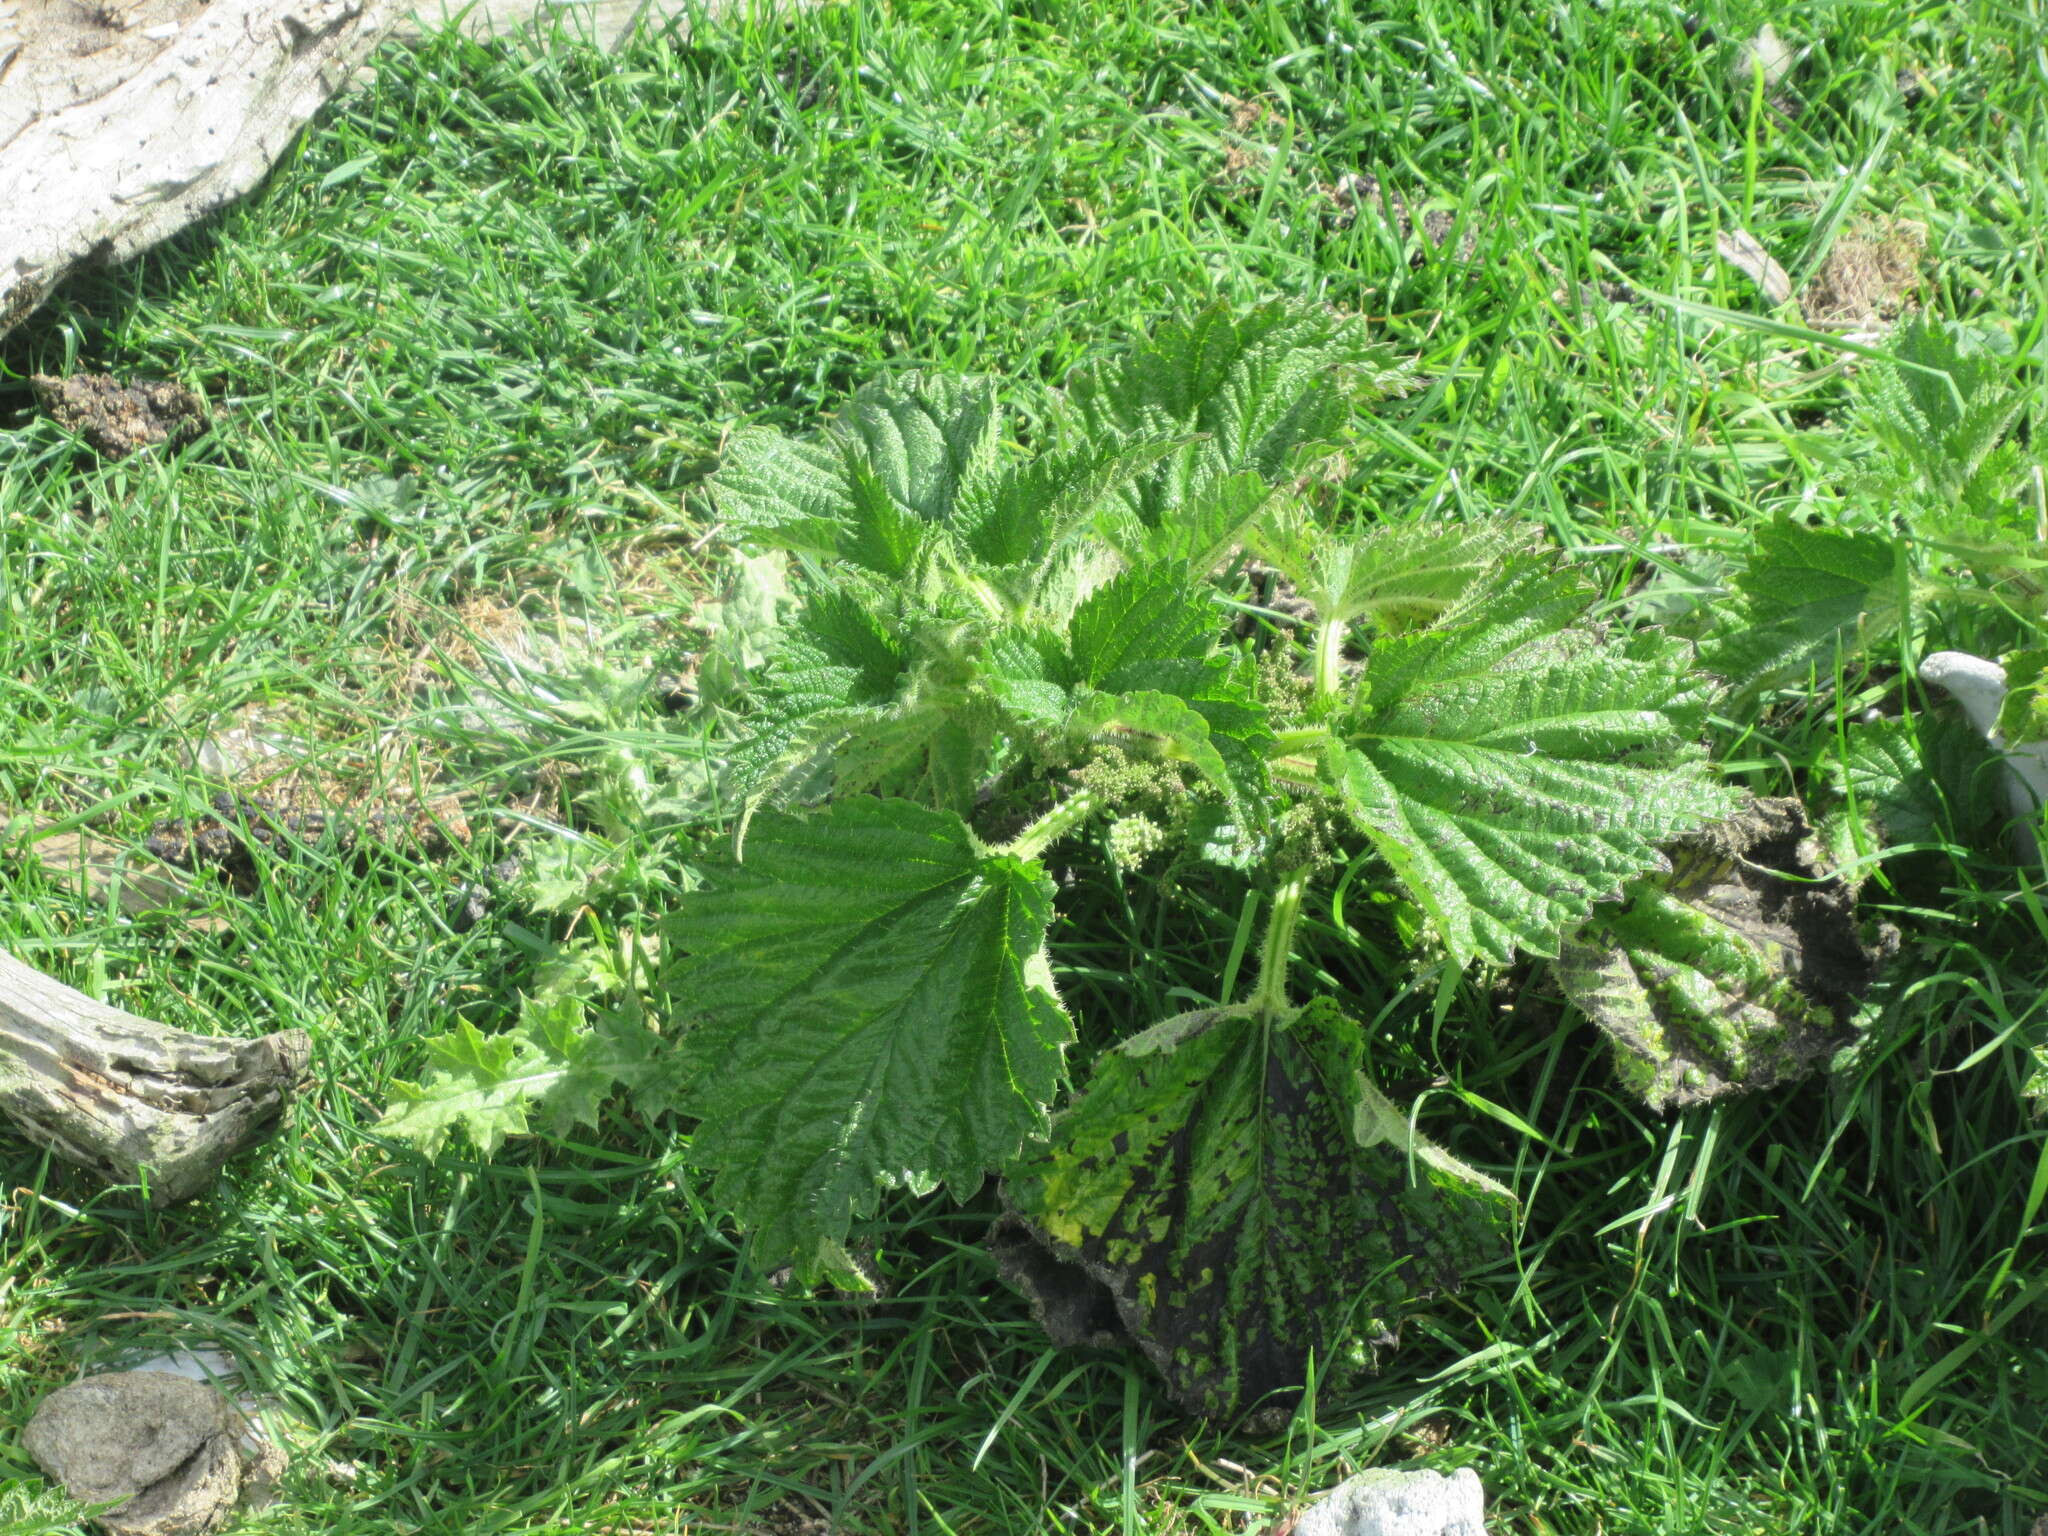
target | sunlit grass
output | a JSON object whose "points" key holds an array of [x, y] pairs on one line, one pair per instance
{"points": [[470, 349]]}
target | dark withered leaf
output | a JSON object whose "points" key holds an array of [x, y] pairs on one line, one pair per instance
{"points": [[1736, 971], [1245, 1197]]}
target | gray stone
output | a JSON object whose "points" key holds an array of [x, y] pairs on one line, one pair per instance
{"points": [[163, 1448], [1979, 686], [1388, 1502]]}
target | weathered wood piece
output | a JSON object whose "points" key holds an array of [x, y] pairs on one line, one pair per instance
{"points": [[605, 22], [131, 1099], [123, 121]]}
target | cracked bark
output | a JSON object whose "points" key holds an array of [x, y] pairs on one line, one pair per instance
{"points": [[130, 1099]]}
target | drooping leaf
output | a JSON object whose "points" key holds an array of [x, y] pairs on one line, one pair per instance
{"points": [[1738, 970], [1512, 775], [559, 1061], [1928, 779], [1158, 725], [867, 1004], [1247, 1198], [1222, 689], [1399, 578]]}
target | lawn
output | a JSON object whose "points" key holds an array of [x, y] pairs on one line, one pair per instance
{"points": [[472, 351]]}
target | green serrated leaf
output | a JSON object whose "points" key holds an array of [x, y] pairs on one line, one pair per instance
{"points": [[1028, 675], [892, 463], [1736, 971], [2023, 716], [838, 629], [881, 534], [1397, 578], [1923, 780], [1528, 613], [558, 1061], [745, 621], [2035, 1087], [1808, 591], [1258, 391], [1020, 516], [926, 436], [1512, 775], [1942, 407], [558, 874], [868, 1004], [1203, 526], [1248, 1198], [1156, 613], [784, 492]]}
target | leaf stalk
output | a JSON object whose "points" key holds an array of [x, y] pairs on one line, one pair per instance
{"points": [[1067, 816], [1329, 660], [1269, 999]]}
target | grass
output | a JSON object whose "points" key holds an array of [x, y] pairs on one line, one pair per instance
{"points": [[471, 347]]}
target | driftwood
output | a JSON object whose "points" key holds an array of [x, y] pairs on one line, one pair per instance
{"points": [[605, 22], [131, 1099], [122, 121]]}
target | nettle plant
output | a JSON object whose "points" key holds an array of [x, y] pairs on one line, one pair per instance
{"points": [[1000, 651]]}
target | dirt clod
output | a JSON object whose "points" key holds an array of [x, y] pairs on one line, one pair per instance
{"points": [[165, 1446], [119, 419]]}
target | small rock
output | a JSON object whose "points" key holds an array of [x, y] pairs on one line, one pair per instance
{"points": [[1389, 1502], [164, 1446]]}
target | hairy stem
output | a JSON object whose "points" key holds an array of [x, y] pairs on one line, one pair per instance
{"points": [[1302, 741], [1329, 657], [1055, 824], [1269, 999]]}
